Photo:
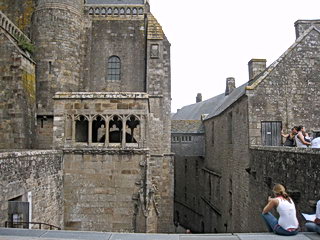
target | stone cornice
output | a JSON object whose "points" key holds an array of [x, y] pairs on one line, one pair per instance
{"points": [[101, 95]]}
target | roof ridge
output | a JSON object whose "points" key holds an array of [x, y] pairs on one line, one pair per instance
{"points": [[269, 69]]}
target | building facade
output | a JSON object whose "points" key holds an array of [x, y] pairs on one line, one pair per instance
{"points": [[243, 154], [96, 88]]}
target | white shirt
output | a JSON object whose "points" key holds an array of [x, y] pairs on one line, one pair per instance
{"points": [[299, 143], [318, 210], [287, 212], [315, 143]]}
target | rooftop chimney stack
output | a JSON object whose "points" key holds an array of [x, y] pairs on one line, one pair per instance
{"points": [[230, 85], [303, 25], [256, 66], [199, 97]]}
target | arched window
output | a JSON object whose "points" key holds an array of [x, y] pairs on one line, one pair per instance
{"points": [[133, 128], [81, 129], [115, 129], [98, 129], [114, 67]]}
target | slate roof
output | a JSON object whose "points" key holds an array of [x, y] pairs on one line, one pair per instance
{"points": [[113, 2], [187, 126], [211, 107], [216, 105]]}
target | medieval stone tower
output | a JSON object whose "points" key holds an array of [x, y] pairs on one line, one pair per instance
{"points": [[102, 100]]}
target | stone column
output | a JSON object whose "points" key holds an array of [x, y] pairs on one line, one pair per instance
{"points": [[90, 130], [106, 140], [73, 129], [124, 119]]}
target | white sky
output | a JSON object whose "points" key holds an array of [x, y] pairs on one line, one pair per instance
{"points": [[215, 39]]}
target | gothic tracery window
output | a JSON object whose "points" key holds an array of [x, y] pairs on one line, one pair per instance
{"points": [[115, 129], [98, 129], [82, 128], [114, 67], [132, 126]]}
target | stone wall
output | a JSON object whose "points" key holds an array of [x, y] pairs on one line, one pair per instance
{"points": [[38, 173], [124, 39], [188, 203], [104, 190], [296, 168], [17, 98], [19, 12], [290, 93], [56, 32], [225, 188]]}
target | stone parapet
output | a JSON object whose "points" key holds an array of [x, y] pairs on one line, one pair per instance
{"points": [[11, 28], [286, 149]]}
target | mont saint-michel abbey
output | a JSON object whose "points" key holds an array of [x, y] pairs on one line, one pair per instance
{"points": [[85, 116]]}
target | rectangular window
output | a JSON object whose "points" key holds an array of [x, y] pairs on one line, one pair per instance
{"points": [[175, 139], [186, 138]]}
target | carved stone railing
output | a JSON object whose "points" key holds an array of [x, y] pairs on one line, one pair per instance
{"points": [[11, 28], [113, 11]]}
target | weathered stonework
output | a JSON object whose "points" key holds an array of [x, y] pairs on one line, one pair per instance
{"points": [[239, 173], [17, 84], [39, 175], [103, 98]]}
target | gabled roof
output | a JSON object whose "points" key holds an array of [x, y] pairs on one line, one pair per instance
{"points": [[195, 111], [187, 126], [216, 105], [211, 107], [264, 74]]}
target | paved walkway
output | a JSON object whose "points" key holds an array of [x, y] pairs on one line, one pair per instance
{"points": [[21, 234]]}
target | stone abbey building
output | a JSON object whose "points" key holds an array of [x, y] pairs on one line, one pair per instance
{"points": [[228, 149], [85, 115]]}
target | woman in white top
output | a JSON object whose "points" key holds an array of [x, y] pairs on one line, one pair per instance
{"points": [[302, 139], [288, 223]]}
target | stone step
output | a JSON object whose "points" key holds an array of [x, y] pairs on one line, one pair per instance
{"points": [[25, 234]]}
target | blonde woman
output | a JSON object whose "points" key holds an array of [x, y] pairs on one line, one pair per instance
{"points": [[287, 224]]}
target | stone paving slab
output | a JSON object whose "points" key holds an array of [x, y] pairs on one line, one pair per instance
{"points": [[312, 236], [137, 236], [209, 237], [264, 236], [23, 234], [76, 235]]}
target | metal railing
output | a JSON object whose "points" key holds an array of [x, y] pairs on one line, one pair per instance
{"points": [[16, 224]]}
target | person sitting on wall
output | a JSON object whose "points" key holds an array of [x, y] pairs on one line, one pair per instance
{"points": [[315, 226], [288, 223], [290, 137], [302, 138]]}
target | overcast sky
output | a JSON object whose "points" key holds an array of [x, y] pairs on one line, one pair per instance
{"points": [[215, 39]]}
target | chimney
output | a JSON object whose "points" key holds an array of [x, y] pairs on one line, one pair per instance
{"points": [[230, 85], [303, 25], [256, 66], [199, 98]]}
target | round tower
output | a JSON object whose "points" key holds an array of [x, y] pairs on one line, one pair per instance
{"points": [[57, 28]]}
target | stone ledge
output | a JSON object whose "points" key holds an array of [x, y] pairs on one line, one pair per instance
{"points": [[286, 149], [107, 151], [101, 95], [27, 153]]}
